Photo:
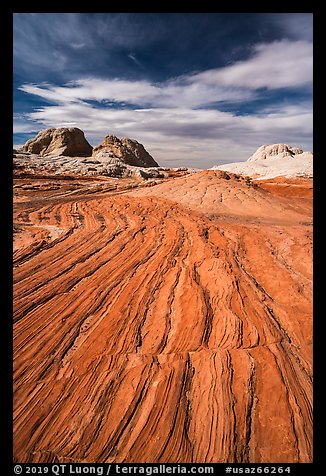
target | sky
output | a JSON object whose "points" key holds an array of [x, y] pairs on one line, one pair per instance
{"points": [[196, 89]]}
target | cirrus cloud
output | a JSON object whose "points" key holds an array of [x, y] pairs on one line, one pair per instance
{"points": [[281, 64]]}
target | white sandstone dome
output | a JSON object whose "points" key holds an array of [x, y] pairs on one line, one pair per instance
{"points": [[276, 160], [276, 151]]}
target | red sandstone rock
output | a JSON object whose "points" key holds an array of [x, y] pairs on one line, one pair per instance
{"points": [[172, 323]]}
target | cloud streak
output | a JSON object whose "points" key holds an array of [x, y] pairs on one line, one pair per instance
{"points": [[281, 64]]}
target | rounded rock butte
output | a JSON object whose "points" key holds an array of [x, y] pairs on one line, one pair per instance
{"points": [[266, 151], [271, 161], [67, 141], [128, 151]]}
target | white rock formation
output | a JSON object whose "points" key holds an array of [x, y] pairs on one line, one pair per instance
{"points": [[269, 161], [92, 166], [276, 150]]}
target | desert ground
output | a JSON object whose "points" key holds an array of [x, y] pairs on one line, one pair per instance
{"points": [[163, 321]]}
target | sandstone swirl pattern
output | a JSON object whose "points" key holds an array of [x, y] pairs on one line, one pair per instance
{"points": [[167, 324]]}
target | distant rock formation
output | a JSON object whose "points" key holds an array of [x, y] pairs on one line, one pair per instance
{"points": [[266, 151], [126, 150], [270, 161], [67, 141]]}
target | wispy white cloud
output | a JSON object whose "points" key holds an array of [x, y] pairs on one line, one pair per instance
{"points": [[179, 92], [134, 59], [281, 64], [23, 126], [77, 45]]}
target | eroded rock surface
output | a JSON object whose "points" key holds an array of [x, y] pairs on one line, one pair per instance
{"points": [[26, 164], [170, 323]]}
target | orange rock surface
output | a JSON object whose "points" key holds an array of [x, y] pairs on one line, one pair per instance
{"points": [[166, 323]]}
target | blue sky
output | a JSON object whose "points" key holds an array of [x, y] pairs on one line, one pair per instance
{"points": [[197, 89]]}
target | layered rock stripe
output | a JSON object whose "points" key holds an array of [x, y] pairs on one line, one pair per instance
{"points": [[166, 324]]}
